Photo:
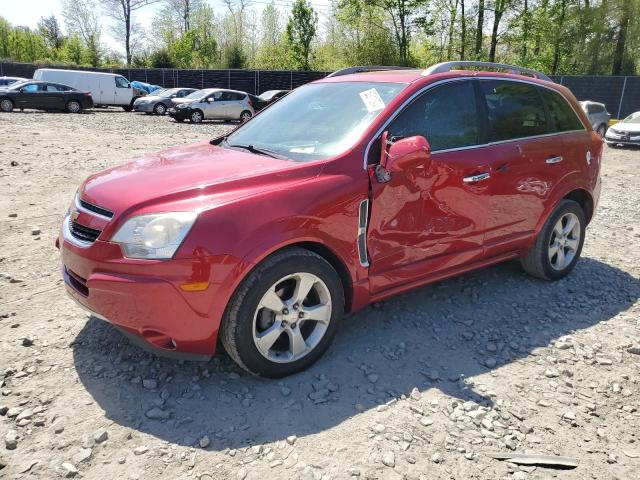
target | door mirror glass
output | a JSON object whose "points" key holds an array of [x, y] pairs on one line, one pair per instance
{"points": [[407, 152]]}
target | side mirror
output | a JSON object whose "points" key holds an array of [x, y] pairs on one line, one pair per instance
{"points": [[406, 152], [211, 99]]}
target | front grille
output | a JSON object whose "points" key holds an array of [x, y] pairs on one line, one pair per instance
{"points": [[95, 209], [83, 233]]}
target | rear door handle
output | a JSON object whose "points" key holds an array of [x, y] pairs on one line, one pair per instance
{"points": [[557, 159], [476, 178]]}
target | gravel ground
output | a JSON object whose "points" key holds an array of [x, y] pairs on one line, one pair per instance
{"points": [[423, 386]]}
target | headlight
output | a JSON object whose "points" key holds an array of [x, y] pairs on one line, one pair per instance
{"points": [[154, 236]]}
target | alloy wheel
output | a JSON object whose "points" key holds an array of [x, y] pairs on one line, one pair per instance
{"points": [[6, 105], [196, 117], [73, 106], [160, 109], [564, 241], [292, 317], [245, 117]]}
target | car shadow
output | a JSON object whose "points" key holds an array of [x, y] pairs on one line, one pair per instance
{"points": [[437, 337]]}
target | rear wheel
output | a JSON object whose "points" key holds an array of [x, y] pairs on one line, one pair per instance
{"points": [[284, 315], [559, 243], [73, 106], [602, 130], [196, 116], [6, 105], [160, 109], [245, 116]]}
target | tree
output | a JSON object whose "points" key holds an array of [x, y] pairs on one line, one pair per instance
{"points": [[182, 11], [50, 30], [479, 30], [621, 39], [301, 29], [122, 12], [81, 19]]}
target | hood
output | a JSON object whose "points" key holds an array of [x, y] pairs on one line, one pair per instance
{"points": [[178, 101], [188, 173], [153, 98], [626, 127]]}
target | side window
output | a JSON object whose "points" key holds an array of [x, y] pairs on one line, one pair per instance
{"points": [[30, 87], [446, 116], [219, 95], [563, 118], [122, 82], [52, 88], [514, 110]]}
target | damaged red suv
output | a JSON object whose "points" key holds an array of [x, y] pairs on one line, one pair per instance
{"points": [[349, 190]]}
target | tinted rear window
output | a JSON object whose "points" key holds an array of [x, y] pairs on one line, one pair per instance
{"points": [[514, 110], [562, 116]]}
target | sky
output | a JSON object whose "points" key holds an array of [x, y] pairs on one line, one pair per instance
{"points": [[28, 12]]}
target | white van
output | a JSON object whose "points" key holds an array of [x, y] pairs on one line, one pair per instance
{"points": [[105, 88]]}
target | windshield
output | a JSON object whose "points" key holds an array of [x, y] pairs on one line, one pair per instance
{"points": [[633, 118], [198, 94], [166, 93], [317, 121]]}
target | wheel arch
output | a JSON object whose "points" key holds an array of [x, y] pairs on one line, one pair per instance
{"points": [[584, 199]]}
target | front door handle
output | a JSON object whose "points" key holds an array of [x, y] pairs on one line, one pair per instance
{"points": [[556, 159], [476, 178]]}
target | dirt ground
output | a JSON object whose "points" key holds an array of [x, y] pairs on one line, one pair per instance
{"points": [[423, 386]]}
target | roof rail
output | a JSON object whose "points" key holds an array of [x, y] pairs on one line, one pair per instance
{"points": [[448, 66], [369, 68]]}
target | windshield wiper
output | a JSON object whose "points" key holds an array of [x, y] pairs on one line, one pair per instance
{"points": [[259, 151]]}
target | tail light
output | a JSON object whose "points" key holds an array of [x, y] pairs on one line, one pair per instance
{"points": [[88, 94]]}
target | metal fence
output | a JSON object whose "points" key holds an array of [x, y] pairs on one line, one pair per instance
{"points": [[251, 81], [620, 94]]}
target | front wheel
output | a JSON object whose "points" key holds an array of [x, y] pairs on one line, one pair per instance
{"points": [[284, 315], [558, 245], [73, 106], [160, 109], [196, 116], [6, 105], [245, 116]]}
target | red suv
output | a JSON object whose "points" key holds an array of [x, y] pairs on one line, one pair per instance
{"points": [[347, 191]]}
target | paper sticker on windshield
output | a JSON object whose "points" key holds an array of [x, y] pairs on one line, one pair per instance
{"points": [[372, 100]]}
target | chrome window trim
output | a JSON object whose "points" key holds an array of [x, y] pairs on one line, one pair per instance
{"points": [[426, 88]]}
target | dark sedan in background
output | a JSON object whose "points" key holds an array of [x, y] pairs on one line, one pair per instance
{"points": [[161, 102], [44, 96]]}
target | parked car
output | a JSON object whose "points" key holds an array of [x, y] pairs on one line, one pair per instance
{"points": [[4, 81], [105, 88], [161, 102], [625, 132], [347, 191], [269, 97], [44, 96], [597, 115], [212, 104]]}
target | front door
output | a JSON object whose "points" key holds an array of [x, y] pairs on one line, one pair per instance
{"points": [[431, 218], [29, 96]]}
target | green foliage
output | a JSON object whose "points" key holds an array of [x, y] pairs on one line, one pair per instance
{"points": [[161, 59], [301, 29], [234, 57]]}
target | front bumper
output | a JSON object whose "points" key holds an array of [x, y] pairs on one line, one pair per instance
{"points": [[143, 107], [622, 139], [146, 299], [179, 113]]}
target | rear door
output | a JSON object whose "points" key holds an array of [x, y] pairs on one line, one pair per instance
{"points": [[55, 96], [517, 130]]}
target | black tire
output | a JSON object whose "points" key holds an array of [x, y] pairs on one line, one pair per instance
{"points": [[536, 261], [602, 130], [127, 108], [236, 332], [6, 105], [159, 108], [196, 116], [74, 106], [245, 116]]}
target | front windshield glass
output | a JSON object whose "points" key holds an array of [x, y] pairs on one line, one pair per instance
{"points": [[633, 118], [166, 93], [317, 121], [198, 94]]}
